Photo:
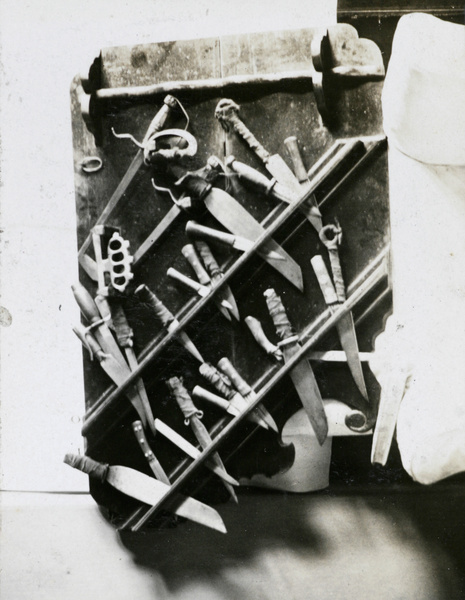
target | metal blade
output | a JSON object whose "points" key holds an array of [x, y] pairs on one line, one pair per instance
{"points": [[227, 295], [185, 340], [150, 491], [243, 244], [282, 173], [348, 337], [306, 386], [236, 219]]}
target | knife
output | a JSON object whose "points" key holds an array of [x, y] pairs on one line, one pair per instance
{"points": [[272, 187], [190, 254], [189, 449], [227, 113], [302, 375], [113, 369], [202, 290], [156, 125], [192, 416], [147, 489], [156, 467], [336, 295], [244, 389], [224, 386], [216, 275], [236, 219], [256, 330], [167, 318], [235, 241]]}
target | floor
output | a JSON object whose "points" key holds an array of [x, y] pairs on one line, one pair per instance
{"points": [[401, 543]]}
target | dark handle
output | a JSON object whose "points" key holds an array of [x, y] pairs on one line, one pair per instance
{"points": [[124, 333], [182, 397], [147, 296], [194, 185], [278, 314], [87, 465], [239, 383], [193, 259]]}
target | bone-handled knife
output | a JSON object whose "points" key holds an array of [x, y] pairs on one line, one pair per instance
{"points": [[224, 386], [155, 465], [147, 489], [202, 290], [302, 374], [235, 241], [192, 416], [227, 113], [256, 329], [167, 319], [244, 389]]}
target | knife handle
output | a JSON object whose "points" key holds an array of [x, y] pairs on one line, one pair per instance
{"points": [[239, 383], [219, 381], [226, 112], [159, 120], [256, 330], [209, 261], [89, 341], [203, 394], [175, 274], [192, 227], [87, 465], [294, 152], [324, 280], [331, 236], [86, 303], [190, 254], [193, 185], [124, 333], [268, 187], [183, 398], [147, 296], [278, 314]]}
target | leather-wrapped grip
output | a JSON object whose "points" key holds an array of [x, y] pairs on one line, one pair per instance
{"points": [[209, 261], [220, 382], [229, 370], [147, 296], [278, 314], [182, 397], [87, 465]]}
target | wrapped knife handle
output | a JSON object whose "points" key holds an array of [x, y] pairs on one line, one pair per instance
{"points": [[89, 342], [124, 333], [159, 120], [294, 152], [194, 185], [192, 227], [268, 187], [208, 260], [87, 465], [147, 296], [190, 254], [226, 113], [324, 280], [175, 274], [256, 330], [183, 398], [278, 314], [220, 382], [240, 384], [86, 303]]}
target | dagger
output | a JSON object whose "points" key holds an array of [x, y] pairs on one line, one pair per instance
{"points": [[156, 467], [190, 254], [302, 375], [335, 295], [216, 275], [192, 416], [236, 219], [272, 187], [167, 318], [256, 330], [224, 386], [235, 241], [147, 489], [244, 389]]}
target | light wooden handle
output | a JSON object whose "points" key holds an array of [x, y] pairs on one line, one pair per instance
{"points": [[219, 381], [194, 228], [192, 258], [203, 394], [175, 274], [256, 330], [294, 152], [88, 340], [239, 383], [86, 303], [159, 120], [324, 280]]}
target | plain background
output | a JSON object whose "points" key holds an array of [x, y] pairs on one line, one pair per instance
{"points": [[43, 46]]}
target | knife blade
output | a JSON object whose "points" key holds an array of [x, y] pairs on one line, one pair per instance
{"points": [[216, 275], [147, 489], [235, 241], [192, 415], [302, 374], [167, 318], [155, 465], [202, 290]]}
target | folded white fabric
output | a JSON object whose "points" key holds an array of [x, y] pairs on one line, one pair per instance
{"points": [[424, 119]]}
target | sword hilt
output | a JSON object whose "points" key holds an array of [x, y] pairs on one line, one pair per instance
{"points": [[147, 296], [183, 398], [278, 314], [208, 260], [220, 382], [87, 465], [239, 383], [226, 113], [190, 254]]}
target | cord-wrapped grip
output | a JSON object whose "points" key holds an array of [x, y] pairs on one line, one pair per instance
{"points": [[278, 314], [87, 465], [147, 296], [183, 398]]}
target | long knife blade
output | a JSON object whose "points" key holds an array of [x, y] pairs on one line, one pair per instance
{"points": [[302, 374], [168, 320], [147, 489]]}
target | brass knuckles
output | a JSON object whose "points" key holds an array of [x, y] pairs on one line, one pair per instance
{"points": [[119, 262], [150, 147]]}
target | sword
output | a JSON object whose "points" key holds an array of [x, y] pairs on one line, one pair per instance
{"points": [[147, 489], [167, 318], [302, 375], [192, 416]]}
